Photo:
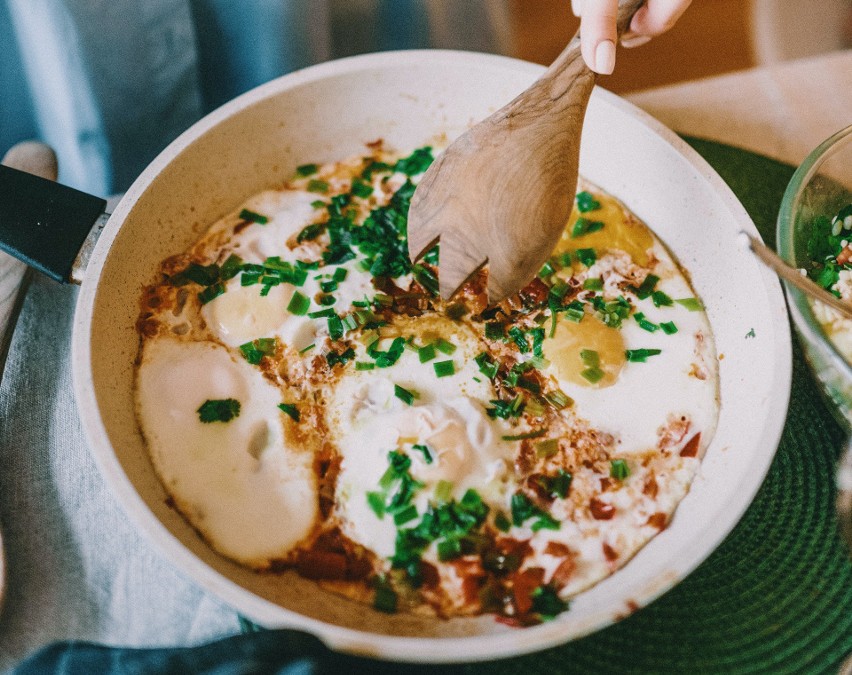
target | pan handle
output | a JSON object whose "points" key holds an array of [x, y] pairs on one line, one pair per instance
{"points": [[45, 224]]}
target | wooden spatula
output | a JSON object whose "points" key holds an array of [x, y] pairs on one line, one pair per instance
{"points": [[502, 192]]}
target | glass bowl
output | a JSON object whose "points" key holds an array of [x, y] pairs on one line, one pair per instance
{"points": [[822, 185]]}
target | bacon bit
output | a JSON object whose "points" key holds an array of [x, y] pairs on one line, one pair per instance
{"points": [[845, 255], [632, 606], [471, 585], [609, 553], [510, 621], [606, 484], [601, 510], [672, 433], [429, 575], [524, 584], [147, 328], [651, 488], [658, 520], [557, 549], [535, 293], [564, 572], [691, 447], [526, 458], [321, 565], [509, 546]]}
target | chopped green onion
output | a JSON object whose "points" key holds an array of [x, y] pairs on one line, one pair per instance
{"points": [[307, 349], [444, 368], [364, 365], [593, 284], [361, 189], [350, 322], [646, 287], [501, 522], [328, 286], [290, 410], [644, 323], [407, 514], [669, 328], [253, 217], [449, 549], [306, 170], [487, 366], [405, 395], [443, 491], [334, 358], [211, 293], [587, 256], [335, 327], [618, 469], [547, 448], [376, 501], [494, 330], [255, 350], [317, 186], [299, 304], [231, 267], [445, 347], [660, 299], [547, 603], [585, 226], [586, 202], [692, 304], [426, 353], [385, 599], [590, 358], [318, 204], [641, 355], [546, 270], [327, 300], [340, 274], [593, 375], [423, 450], [559, 399], [309, 232], [522, 437], [222, 410]]}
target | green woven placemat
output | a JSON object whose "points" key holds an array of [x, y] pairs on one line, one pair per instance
{"points": [[776, 596]]}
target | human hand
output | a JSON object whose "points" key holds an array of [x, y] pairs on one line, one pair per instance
{"points": [[599, 34]]}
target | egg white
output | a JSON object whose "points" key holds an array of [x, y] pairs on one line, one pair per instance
{"points": [[239, 483]]}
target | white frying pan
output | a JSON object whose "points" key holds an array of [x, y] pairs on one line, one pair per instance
{"points": [[326, 113]]}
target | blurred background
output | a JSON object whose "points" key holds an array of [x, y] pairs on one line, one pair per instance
{"points": [[109, 83]]}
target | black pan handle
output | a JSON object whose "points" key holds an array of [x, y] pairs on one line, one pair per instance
{"points": [[43, 223]]}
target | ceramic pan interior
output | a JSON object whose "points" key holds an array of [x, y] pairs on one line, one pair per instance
{"points": [[326, 113]]}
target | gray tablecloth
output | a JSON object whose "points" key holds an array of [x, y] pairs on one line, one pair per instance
{"points": [[76, 567]]}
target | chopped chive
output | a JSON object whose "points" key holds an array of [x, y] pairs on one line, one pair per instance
{"points": [[618, 469], [501, 522], [547, 448], [211, 293], [644, 324], [494, 330], [309, 232], [318, 204], [253, 217], [350, 322], [221, 410], [593, 284], [255, 350], [299, 304], [546, 270], [593, 375], [361, 189], [231, 267], [522, 437], [559, 399], [587, 256], [426, 353], [445, 347], [449, 549], [327, 300], [385, 599], [586, 202], [669, 328], [646, 287], [423, 450], [641, 355], [443, 491], [306, 170], [444, 368], [487, 366], [328, 286], [660, 299], [692, 304], [376, 501], [317, 186], [335, 327], [585, 226], [290, 410], [405, 395], [364, 365], [322, 313], [407, 514], [590, 358], [340, 274]]}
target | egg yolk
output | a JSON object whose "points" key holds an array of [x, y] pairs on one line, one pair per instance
{"points": [[619, 231], [564, 351]]}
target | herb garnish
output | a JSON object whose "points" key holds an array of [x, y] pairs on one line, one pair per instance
{"points": [[253, 217], [255, 351], [291, 410], [584, 226], [641, 355], [219, 410], [586, 202]]}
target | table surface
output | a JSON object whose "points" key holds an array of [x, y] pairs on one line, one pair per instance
{"points": [[767, 110]]}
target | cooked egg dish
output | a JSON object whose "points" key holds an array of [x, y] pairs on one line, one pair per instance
{"points": [[310, 404]]}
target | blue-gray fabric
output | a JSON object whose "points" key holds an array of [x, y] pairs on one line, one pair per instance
{"points": [[109, 83]]}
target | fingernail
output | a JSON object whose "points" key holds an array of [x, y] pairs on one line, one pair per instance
{"points": [[605, 57], [577, 7], [636, 41]]}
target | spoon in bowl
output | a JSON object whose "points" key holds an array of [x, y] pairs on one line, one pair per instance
{"points": [[502, 192]]}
